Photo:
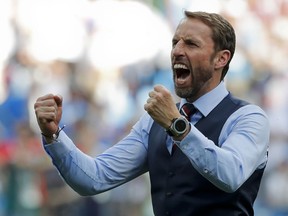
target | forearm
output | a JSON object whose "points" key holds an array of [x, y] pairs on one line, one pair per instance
{"points": [[241, 151], [206, 161], [76, 168], [88, 175]]}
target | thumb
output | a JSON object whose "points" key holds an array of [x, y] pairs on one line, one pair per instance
{"points": [[58, 99]]}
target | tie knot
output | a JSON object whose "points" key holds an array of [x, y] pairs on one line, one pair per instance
{"points": [[188, 110]]}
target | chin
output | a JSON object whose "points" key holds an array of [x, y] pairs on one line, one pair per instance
{"points": [[185, 92]]}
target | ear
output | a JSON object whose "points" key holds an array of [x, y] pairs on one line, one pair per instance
{"points": [[221, 59]]}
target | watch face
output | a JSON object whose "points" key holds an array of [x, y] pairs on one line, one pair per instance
{"points": [[180, 125]]}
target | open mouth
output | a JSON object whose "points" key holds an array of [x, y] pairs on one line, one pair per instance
{"points": [[181, 71]]}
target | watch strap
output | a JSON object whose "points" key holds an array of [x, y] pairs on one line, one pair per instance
{"points": [[169, 130]]}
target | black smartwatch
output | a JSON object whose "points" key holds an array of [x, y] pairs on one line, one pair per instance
{"points": [[178, 127]]}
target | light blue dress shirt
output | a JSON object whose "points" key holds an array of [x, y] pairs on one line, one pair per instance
{"points": [[243, 149]]}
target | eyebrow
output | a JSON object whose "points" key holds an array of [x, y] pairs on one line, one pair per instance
{"points": [[188, 38]]}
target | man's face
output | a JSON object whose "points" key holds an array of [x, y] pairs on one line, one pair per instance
{"points": [[192, 59]]}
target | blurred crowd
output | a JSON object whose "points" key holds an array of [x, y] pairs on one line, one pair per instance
{"points": [[103, 57]]}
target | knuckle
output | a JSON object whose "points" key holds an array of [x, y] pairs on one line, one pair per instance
{"points": [[36, 104]]}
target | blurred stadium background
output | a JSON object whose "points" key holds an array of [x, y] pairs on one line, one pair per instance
{"points": [[98, 53]]}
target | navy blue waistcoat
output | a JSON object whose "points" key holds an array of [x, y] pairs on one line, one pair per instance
{"points": [[177, 188]]}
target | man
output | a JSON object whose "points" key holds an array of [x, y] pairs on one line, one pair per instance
{"points": [[211, 164]]}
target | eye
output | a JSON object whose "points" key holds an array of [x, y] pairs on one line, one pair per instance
{"points": [[191, 43], [174, 42]]}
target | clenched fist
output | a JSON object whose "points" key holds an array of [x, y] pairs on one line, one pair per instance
{"points": [[48, 110], [161, 106]]}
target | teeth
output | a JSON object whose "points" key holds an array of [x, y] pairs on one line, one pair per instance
{"points": [[180, 66]]}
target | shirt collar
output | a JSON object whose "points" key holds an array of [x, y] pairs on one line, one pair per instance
{"points": [[206, 103]]}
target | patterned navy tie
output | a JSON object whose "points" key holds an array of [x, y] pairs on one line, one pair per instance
{"points": [[188, 110]]}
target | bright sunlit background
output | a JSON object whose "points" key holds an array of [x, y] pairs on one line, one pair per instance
{"points": [[104, 57]]}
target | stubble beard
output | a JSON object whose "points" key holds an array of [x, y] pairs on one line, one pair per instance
{"points": [[198, 83], [188, 92]]}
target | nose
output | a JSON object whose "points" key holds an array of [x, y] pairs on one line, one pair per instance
{"points": [[178, 49]]}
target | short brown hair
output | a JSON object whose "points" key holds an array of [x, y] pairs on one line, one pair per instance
{"points": [[223, 34]]}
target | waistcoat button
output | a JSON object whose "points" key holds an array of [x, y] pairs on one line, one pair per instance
{"points": [[169, 194]]}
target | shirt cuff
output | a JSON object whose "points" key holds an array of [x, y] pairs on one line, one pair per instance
{"points": [[63, 145]]}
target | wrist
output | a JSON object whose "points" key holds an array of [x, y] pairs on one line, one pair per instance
{"points": [[178, 128], [51, 138], [180, 138], [48, 140]]}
